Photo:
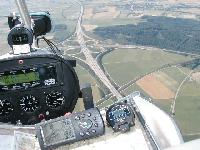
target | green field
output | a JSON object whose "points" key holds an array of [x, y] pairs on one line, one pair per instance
{"points": [[177, 74], [187, 103], [110, 22], [114, 21], [175, 79], [60, 36], [126, 64], [188, 110], [172, 77], [85, 77]]}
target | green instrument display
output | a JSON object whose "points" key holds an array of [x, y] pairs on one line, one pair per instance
{"points": [[27, 78], [19, 78]]}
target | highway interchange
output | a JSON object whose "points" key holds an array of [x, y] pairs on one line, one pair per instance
{"points": [[92, 63], [97, 67]]}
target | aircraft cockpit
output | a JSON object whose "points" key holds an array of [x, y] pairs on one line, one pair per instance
{"points": [[39, 89]]}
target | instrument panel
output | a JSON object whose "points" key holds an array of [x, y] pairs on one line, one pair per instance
{"points": [[33, 88]]}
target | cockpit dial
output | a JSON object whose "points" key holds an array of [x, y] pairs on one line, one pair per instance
{"points": [[6, 108], [55, 100], [29, 103]]}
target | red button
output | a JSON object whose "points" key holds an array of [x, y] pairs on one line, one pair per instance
{"points": [[20, 62], [41, 117]]}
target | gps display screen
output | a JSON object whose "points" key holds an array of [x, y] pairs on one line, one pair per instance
{"points": [[57, 132], [19, 78], [28, 78]]}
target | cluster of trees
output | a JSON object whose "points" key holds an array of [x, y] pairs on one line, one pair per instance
{"points": [[192, 64], [162, 32]]}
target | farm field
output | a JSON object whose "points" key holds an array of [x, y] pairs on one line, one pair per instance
{"points": [[187, 108], [155, 88], [124, 65]]}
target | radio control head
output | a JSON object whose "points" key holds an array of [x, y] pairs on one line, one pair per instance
{"points": [[20, 40]]}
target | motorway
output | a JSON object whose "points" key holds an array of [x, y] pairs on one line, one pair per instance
{"points": [[92, 63], [94, 66]]}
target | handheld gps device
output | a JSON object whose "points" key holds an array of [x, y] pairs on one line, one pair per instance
{"points": [[69, 129]]}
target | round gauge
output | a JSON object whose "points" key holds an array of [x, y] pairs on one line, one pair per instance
{"points": [[120, 116], [6, 108], [55, 100], [29, 103]]}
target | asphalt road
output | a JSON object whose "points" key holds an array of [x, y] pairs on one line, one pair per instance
{"points": [[92, 63]]}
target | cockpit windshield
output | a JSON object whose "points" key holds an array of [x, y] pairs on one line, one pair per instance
{"points": [[151, 46]]}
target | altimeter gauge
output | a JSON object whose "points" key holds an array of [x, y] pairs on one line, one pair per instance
{"points": [[55, 100], [29, 103], [6, 108]]}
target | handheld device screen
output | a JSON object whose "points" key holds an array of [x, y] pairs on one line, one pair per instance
{"points": [[52, 133]]}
